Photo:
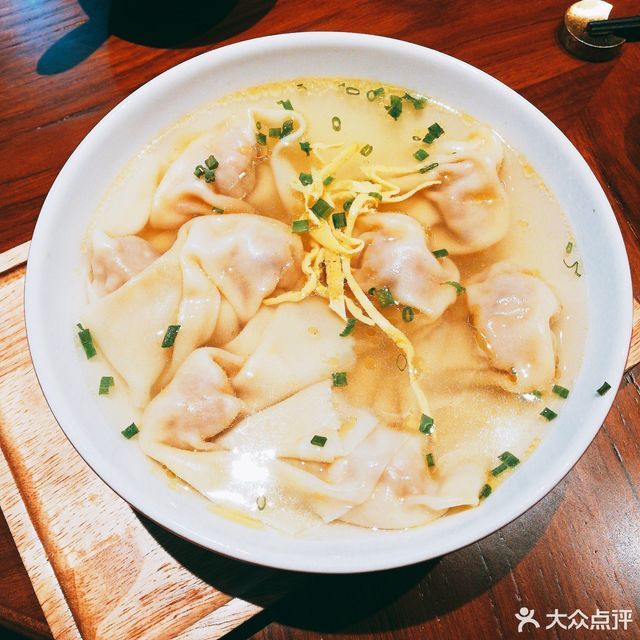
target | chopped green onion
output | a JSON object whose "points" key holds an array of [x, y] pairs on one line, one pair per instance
{"points": [[286, 104], [408, 314], [301, 86], [322, 208], [105, 383], [328, 180], [563, 392], [339, 220], [569, 247], [603, 389], [261, 138], [287, 127], [170, 336], [426, 424], [211, 162], [395, 107], [372, 94], [418, 103], [416, 138], [499, 469], [536, 393], [420, 155], [366, 150], [430, 461], [300, 226], [319, 441], [509, 459], [198, 172], [339, 379], [485, 492], [573, 266], [433, 165], [549, 414], [210, 175], [261, 503], [351, 323], [258, 125], [347, 204], [456, 285], [385, 297], [275, 132], [371, 292], [434, 132], [306, 179], [353, 91], [130, 431], [86, 341], [375, 194], [306, 147], [440, 253], [217, 210], [336, 123]]}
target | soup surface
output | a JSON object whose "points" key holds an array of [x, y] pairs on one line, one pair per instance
{"points": [[329, 301]]}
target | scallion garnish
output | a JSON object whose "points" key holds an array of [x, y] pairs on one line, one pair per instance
{"points": [[563, 392], [86, 341], [408, 314], [418, 103], [569, 247], [347, 204], [420, 155], [339, 220], [339, 379], [433, 165], [499, 469], [275, 132], [300, 226], [306, 147], [261, 503], [351, 323], [603, 389], [434, 132], [375, 194], [286, 104], [261, 138], [336, 123], [371, 291], [198, 172], [106, 382], [395, 107], [509, 459], [211, 162], [385, 297], [426, 424], [456, 285], [430, 461], [328, 180], [574, 266], [366, 150], [416, 138], [306, 179], [130, 431], [353, 91], [536, 393], [287, 127], [258, 125], [440, 253], [170, 336], [372, 94], [210, 175], [319, 441], [322, 208], [485, 492], [217, 210], [549, 414]]}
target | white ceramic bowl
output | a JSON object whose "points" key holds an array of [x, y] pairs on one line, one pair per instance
{"points": [[55, 285]]}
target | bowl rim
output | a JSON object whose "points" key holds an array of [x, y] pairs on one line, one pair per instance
{"points": [[35, 334]]}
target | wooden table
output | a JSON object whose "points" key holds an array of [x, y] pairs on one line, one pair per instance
{"points": [[64, 64]]}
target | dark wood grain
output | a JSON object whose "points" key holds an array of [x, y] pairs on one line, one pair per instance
{"points": [[64, 66]]}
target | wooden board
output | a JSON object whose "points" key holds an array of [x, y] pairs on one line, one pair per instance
{"points": [[99, 570]]}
